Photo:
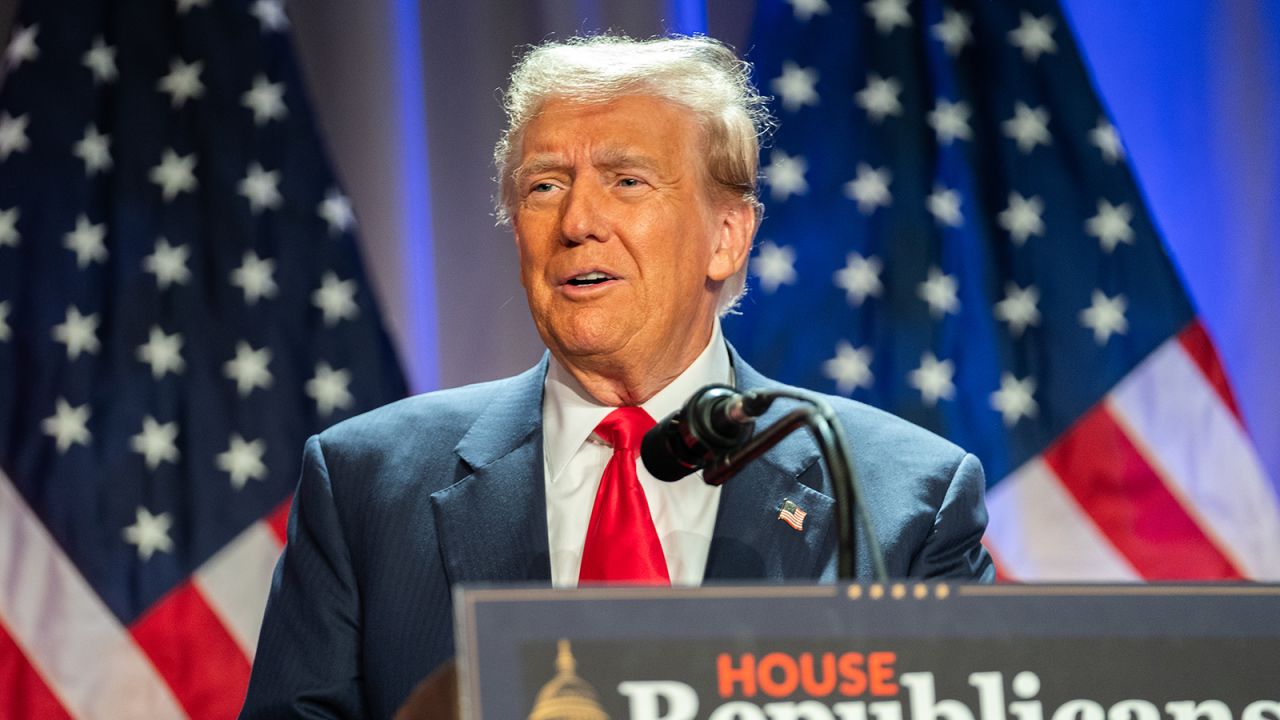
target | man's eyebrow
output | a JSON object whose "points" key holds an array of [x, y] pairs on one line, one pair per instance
{"points": [[606, 158], [540, 164]]}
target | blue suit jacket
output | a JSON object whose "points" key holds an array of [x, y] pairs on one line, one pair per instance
{"points": [[398, 505]]}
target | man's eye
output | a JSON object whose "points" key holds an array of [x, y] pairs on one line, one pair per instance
{"points": [[629, 182], [542, 187]]}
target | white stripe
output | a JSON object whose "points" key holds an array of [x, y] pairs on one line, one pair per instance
{"points": [[1040, 533], [1185, 431], [88, 659], [236, 581]]}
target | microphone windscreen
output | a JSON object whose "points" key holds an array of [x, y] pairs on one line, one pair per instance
{"points": [[659, 456]]}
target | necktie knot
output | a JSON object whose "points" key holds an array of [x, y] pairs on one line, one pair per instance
{"points": [[624, 428]]}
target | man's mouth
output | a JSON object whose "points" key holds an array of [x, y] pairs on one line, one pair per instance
{"points": [[591, 278]]}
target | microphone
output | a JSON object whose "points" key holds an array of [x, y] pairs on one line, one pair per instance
{"points": [[715, 421]]}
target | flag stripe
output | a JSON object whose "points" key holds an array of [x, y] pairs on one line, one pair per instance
{"points": [[278, 520], [23, 693], [1040, 533], [1118, 488], [1183, 425], [237, 580], [1195, 341], [195, 654], [70, 636]]}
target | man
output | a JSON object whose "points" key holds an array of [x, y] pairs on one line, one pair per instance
{"points": [[628, 173]]}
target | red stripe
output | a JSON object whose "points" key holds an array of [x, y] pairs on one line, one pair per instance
{"points": [[195, 654], [279, 520], [23, 693], [1195, 340], [1133, 507], [1001, 575]]}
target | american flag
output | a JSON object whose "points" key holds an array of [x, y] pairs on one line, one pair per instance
{"points": [[792, 515], [181, 305], [953, 234]]}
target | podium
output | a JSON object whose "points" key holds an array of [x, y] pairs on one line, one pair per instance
{"points": [[901, 651]]}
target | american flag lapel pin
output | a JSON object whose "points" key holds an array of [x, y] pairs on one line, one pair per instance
{"points": [[792, 515]]}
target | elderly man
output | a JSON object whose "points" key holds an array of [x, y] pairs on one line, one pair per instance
{"points": [[628, 172]]}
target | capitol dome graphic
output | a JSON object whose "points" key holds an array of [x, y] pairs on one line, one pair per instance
{"points": [[567, 696]]}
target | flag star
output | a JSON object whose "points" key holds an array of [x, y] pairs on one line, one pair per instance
{"points": [[150, 533], [185, 5], [796, 86], [1105, 316], [933, 379], [22, 46], [1029, 127], [860, 278], [156, 443], [9, 235], [955, 31], [1015, 399], [880, 97], [889, 14], [944, 205], [243, 461], [1022, 218], [939, 291], [336, 298], [249, 368], [260, 188], [774, 266], [162, 352], [785, 175], [13, 135], [168, 264], [94, 150], [1105, 137], [805, 9], [101, 61], [1018, 308], [950, 121], [850, 368], [336, 211], [254, 277], [183, 82], [68, 425], [270, 15], [5, 331], [87, 241], [1111, 225], [78, 332], [870, 188], [1034, 36], [175, 174], [266, 100], [329, 389]]}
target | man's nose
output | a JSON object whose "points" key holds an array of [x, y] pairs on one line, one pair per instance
{"points": [[583, 214]]}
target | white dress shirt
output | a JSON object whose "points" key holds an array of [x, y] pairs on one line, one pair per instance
{"points": [[684, 512]]}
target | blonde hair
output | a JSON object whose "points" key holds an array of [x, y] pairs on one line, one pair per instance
{"points": [[695, 72]]}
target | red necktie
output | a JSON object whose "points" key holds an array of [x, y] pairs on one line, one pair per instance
{"points": [[622, 544]]}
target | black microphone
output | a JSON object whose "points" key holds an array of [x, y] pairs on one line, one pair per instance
{"points": [[715, 421]]}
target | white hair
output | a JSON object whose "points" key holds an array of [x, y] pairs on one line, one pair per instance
{"points": [[695, 72]]}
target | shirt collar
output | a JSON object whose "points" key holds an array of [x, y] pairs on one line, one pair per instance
{"points": [[570, 414]]}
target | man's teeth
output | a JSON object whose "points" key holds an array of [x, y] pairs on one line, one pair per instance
{"points": [[591, 277]]}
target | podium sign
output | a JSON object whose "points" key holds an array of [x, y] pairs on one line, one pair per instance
{"points": [[871, 652]]}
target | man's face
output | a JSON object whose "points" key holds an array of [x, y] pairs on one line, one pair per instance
{"points": [[622, 249]]}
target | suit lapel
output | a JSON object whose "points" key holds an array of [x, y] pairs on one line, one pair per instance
{"points": [[750, 541], [493, 522]]}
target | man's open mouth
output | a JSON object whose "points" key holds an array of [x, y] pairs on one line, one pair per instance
{"points": [[591, 278]]}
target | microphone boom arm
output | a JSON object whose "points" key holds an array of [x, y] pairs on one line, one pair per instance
{"points": [[822, 424]]}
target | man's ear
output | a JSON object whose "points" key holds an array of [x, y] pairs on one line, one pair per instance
{"points": [[733, 240]]}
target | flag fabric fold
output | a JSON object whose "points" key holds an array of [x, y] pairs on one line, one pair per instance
{"points": [[181, 304], [953, 234]]}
